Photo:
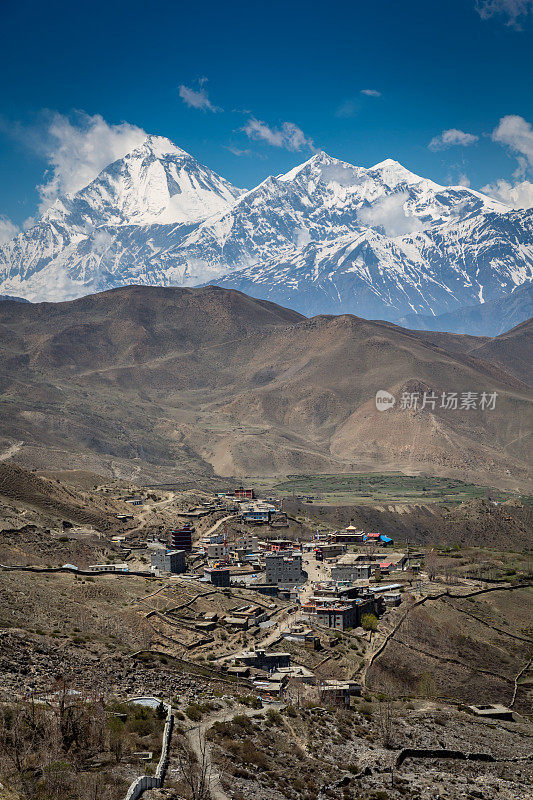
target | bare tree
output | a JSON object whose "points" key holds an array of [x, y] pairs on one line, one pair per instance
{"points": [[25, 738], [195, 770], [385, 719], [431, 562]]}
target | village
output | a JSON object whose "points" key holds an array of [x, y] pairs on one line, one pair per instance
{"points": [[251, 587], [259, 629]]}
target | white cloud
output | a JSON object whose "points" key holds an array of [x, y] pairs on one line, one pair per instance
{"points": [[8, 229], [78, 149], [237, 151], [102, 241], [302, 237], [517, 195], [197, 98], [371, 92], [348, 108], [389, 213], [464, 180], [289, 136], [514, 10], [516, 133], [451, 138]]}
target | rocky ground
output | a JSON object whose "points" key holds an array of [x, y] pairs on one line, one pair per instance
{"points": [[318, 753], [111, 637]]}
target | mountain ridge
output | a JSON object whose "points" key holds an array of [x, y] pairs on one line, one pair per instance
{"points": [[489, 319], [215, 382], [325, 237]]}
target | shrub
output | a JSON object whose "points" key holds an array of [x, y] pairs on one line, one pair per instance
{"points": [[243, 722], [142, 727], [274, 717], [251, 701], [193, 712]]}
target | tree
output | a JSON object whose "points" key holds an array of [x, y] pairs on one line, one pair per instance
{"points": [[369, 622]]}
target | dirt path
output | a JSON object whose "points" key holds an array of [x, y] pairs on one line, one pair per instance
{"points": [[11, 451], [217, 524], [196, 738], [141, 519], [274, 633]]}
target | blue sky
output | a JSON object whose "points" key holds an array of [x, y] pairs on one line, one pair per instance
{"points": [[261, 85]]}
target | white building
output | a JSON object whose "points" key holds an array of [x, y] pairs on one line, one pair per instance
{"points": [[247, 542], [108, 568]]}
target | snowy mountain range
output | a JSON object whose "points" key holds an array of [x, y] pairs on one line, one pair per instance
{"points": [[326, 237]]}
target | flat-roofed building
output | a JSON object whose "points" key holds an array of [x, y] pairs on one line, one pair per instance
{"points": [[243, 493], [216, 552], [323, 551], [168, 561], [339, 692], [284, 568], [350, 568], [218, 576], [264, 659], [108, 568], [492, 712]]}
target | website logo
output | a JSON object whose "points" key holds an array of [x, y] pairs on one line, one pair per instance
{"points": [[384, 400]]}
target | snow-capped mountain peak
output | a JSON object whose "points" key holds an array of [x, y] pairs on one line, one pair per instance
{"points": [[325, 236], [160, 146], [155, 183]]}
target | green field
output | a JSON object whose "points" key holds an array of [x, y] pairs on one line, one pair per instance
{"points": [[349, 488]]}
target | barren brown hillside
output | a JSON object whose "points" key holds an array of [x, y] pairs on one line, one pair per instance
{"points": [[165, 384]]}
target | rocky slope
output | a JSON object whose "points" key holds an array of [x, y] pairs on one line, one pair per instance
{"points": [[155, 383]]}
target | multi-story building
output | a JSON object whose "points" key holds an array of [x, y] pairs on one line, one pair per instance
{"points": [[257, 512], [338, 612], [339, 692], [280, 544], [182, 537], [244, 494], [168, 561], [349, 536], [264, 659], [284, 568], [247, 542], [329, 551], [216, 552]]}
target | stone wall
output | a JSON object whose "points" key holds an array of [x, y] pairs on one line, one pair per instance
{"points": [[144, 782]]}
